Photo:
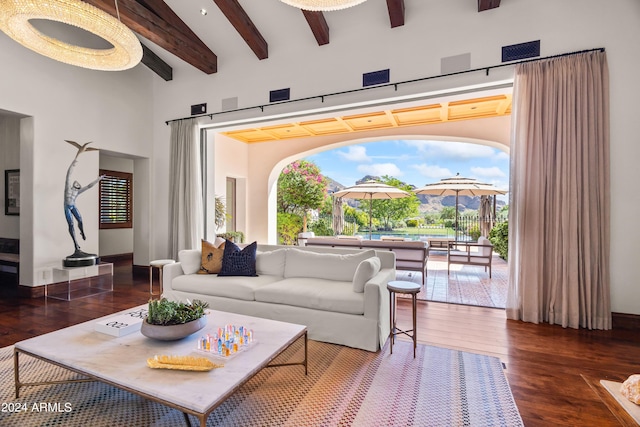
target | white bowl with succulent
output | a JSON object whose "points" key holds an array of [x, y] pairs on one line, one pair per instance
{"points": [[172, 320]]}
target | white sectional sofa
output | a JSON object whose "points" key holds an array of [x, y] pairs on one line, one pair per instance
{"points": [[339, 294]]}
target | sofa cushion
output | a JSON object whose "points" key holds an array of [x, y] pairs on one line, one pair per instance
{"points": [[323, 265], [463, 257], [318, 294], [271, 262], [239, 262], [365, 271], [190, 260], [484, 251], [236, 287], [211, 262]]}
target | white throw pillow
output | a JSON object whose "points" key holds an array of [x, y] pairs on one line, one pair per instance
{"points": [[271, 263], [190, 259], [365, 271], [319, 265]]}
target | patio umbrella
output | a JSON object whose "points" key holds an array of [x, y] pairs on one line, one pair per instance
{"points": [[459, 186], [337, 217], [370, 190]]}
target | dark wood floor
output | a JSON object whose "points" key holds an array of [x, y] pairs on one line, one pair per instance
{"points": [[553, 372]]}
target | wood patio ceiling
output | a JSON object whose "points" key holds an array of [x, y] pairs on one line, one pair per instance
{"points": [[477, 108], [157, 22]]}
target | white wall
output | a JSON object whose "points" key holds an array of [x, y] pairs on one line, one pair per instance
{"points": [[116, 241], [236, 166], [111, 109], [360, 43], [9, 159]]}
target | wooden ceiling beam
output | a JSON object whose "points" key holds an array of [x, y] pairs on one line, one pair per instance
{"points": [[396, 12], [244, 26], [156, 64], [487, 4], [155, 21], [318, 25]]}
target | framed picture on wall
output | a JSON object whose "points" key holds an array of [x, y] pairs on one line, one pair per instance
{"points": [[12, 192]]}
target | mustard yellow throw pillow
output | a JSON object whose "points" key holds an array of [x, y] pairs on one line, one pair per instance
{"points": [[211, 258]]}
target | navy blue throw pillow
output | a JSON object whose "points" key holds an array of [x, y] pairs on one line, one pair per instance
{"points": [[239, 262]]}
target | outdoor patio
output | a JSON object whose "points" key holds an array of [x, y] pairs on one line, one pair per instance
{"points": [[467, 284]]}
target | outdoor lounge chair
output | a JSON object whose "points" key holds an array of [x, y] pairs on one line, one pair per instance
{"points": [[470, 253]]}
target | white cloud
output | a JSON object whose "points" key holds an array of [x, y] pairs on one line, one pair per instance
{"points": [[355, 153], [492, 172], [451, 150], [398, 157], [432, 171], [502, 156], [380, 169]]}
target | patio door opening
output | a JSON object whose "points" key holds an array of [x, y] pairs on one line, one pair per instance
{"points": [[259, 152]]}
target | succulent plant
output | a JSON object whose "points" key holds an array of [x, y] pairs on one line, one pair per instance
{"points": [[165, 312]]}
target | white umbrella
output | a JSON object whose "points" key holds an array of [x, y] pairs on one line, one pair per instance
{"points": [[459, 186], [370, 190]]}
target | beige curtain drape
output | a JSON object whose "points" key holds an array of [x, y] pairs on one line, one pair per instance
{"points": [[559, 195], [186, 217]]}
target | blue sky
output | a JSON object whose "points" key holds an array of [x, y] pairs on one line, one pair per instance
{"points": [[415, 162]]}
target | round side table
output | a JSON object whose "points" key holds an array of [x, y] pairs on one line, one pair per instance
{"points": [[159, 264], [402, 287]]}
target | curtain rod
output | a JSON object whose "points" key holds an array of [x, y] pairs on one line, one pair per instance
{"points": [[395, 85]]}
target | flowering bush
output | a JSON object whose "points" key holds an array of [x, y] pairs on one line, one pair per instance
{"points": [[301, 187]]}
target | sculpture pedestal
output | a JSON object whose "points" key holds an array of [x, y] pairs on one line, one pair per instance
{"points": [[69, 283], [81, 259]]}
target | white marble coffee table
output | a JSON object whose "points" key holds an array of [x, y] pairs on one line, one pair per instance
{"points": [[122, 361]]}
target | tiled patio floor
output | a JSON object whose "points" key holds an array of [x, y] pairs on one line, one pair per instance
{"points": [[467, 284]]}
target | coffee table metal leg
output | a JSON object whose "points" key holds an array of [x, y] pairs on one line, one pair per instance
{"points": [[19, 384], [303, 363], [16, 372], [306, 359], [202, 418]]}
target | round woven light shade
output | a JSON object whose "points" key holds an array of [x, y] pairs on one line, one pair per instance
{"points": [[125, 53], [322, 5]]}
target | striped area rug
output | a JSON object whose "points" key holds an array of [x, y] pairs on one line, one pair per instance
{"points": [[345, 387]]}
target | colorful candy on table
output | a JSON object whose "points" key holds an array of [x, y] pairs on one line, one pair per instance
{"points": [[227, 341]]}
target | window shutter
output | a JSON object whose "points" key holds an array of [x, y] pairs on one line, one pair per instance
{"points": [[116, 199]]}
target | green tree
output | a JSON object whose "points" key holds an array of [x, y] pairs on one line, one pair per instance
{"points": [[301, 187], [448, 212], [431, 218], [390, 210]]}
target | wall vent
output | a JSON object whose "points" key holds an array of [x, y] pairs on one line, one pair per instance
{"points": [[229, 104], [521, 51], [375, 78], [280, 95], [454, 64]]}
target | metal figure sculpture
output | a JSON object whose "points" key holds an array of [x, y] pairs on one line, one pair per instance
{"points": [[71, 191]]}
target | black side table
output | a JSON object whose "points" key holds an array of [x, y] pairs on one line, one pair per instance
{"points": [[402, 287]]}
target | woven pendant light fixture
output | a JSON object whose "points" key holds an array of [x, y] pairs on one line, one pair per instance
{"points": [[125, 53], [322, 5]]}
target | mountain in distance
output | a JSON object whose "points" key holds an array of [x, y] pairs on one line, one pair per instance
{"points": [[428, 204], [333, 186]]}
